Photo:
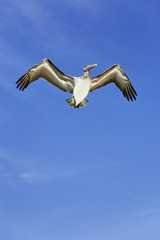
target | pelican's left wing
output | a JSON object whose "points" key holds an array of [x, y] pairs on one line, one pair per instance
{"points": [[48, 71], [116, 75]]}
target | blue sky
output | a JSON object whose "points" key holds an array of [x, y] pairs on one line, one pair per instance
{"points": [[79, 174]]}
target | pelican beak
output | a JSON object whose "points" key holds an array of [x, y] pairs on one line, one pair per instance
{"points": [[92, 66], [89, 67]]}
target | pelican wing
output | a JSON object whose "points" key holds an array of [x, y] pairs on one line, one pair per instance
{"points": [[116, 75], [48, 71]]}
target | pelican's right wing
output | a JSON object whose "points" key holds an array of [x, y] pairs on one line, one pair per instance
{"points": [[48, 71], [116, 75]]}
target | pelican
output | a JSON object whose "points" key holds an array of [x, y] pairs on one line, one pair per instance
{"points": [[79, 87]]}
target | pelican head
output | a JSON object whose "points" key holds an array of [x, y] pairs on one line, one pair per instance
{"points": [[88, 68]]}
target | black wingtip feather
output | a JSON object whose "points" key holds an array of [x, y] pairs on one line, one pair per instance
{"points": [[133, 90], [130, 92], [127, 97], [134, 94], [22, 83]]}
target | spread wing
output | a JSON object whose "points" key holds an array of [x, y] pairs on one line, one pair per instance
{"points": [[48, 71], [116, 75]]}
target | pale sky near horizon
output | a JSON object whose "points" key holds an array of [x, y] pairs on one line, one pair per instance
{"points": [[80, 174]]}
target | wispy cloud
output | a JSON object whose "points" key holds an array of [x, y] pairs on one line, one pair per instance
{"points": [[142, 221], [47, 25], [29, 170], [35, 177], [144, 213], [92, 7], [31, 9], [12, 156], [3, 173]]}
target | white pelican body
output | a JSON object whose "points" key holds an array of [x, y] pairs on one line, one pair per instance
{"points": [[78, 86], [81, 89]]}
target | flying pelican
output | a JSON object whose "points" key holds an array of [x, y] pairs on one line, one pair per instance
{"points": [[79, 87]]}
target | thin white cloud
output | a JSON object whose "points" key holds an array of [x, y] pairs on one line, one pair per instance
{"points": [[31, 9], [35, 174], [11, 156], [35, 177], [142, 213], [38, 17], [3, 173], [92, 7]]}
